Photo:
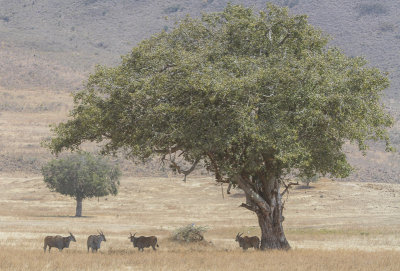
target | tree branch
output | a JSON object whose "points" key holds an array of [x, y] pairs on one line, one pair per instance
{"points": [[218, 175], [185, 172], [248, 207], [166, 67], [255, 197], [284, 39], [287, 186], [169, 150]]}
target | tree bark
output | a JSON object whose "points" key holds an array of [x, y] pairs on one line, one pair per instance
{"points": [[267, 204], [272, 234], [78, 212]]}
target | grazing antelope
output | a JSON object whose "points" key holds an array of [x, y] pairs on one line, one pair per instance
{"points": [[94, 241], [248, 242], [58, 242], [143, 241]]}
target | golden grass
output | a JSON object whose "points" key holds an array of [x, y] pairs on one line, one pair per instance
{"points": [[298, 259], [354, 226]]}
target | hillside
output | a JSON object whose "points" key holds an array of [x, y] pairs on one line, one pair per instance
{"points": [[70, 37], [48, 48]]}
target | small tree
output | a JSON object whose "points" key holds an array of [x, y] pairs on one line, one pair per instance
{"points": [[307, 180], [81, 176]]}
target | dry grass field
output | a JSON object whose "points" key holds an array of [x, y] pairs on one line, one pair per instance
{"points": [[48, 49], [25, 116], [332, 226]]}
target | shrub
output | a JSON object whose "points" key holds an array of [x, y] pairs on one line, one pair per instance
{"points": [[387, 27], [371, 9], [172, 9], [290, 3], [5, 18], [89, 2], [206, 2], [189, 233]]}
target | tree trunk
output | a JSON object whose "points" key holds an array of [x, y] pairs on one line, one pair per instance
{"points": [[264, 198], [272, 234], [78, 212]]}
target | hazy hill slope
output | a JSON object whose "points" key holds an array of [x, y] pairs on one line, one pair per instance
{"points": [[77, 34], [53, 45]]}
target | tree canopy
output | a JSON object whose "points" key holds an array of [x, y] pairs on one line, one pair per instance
{"points": [[81, 176], [252, 95]]}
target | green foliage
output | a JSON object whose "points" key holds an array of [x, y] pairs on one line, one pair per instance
{"points": [[307, 180], [189, 233], [81, 176], [237, 89]]}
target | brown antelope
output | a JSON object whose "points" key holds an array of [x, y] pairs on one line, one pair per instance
{"points": [[143, 241], [58, 242], [248, 242], [94, 241]]}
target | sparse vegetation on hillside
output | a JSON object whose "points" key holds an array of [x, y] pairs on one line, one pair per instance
{"points": [[371, 9], [172, 9], [290, 3], [387, 27]]}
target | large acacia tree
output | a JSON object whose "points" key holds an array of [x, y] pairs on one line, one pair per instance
{"points": [[252, 96]]}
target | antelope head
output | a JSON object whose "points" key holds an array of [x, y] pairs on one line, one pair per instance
{"points": [[102, 236], [72, 237]]}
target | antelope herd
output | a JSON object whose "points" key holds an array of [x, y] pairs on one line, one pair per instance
{"points": [[141, 242]]}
